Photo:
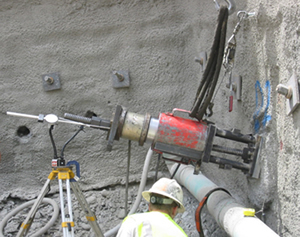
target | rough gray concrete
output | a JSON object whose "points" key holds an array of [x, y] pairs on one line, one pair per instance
{"points": [[157, 41]]}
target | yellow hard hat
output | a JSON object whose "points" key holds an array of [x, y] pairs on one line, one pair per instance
{"points": [[168, 188]]}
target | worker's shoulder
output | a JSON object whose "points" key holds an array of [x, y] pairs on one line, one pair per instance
{"points": [[153, 215], [137, 217]]}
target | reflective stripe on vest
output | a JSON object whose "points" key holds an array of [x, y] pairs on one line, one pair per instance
{"points": [[144, 229]]}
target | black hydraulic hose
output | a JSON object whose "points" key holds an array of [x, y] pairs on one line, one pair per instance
{"points": [[63, 149], [204, 85], [211, 74], [215, 76], [52, 141]]}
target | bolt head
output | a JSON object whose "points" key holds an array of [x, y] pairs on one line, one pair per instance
{"points": [[49, 80]]}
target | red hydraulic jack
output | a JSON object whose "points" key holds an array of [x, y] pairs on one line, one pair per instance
{"points": [[190, 139]]}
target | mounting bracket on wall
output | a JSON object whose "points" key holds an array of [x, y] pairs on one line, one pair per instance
{"points": [[51, 81], [236, 86], [120, 79], [291, 93], [202, 60]]}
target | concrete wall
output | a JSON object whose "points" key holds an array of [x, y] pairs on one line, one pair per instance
{"points": [[157, 41]]}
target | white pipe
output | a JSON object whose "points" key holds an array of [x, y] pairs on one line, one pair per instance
{"points": [[136, 204], [226, 211], [26, 205]]}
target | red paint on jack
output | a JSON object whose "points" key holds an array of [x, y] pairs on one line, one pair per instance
{"points": [[182, 132]]}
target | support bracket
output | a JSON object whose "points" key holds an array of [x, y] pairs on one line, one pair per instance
{"points": [[236, 87], [202, 60]]}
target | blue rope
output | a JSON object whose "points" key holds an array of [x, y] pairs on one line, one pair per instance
{"points": [[266, 118]]}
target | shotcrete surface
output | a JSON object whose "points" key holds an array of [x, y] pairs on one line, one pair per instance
{"points": [[85, 41]]}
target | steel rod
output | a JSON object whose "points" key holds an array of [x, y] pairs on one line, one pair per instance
{"points": [[227, 150]]}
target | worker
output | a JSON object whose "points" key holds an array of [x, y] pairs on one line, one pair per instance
{"points": [[165, 200]]}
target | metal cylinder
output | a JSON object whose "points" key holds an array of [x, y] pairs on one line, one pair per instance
{"points": [[136, 127], [173, 130], [153, 126]]}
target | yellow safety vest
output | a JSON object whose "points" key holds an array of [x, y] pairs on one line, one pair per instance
{"points": [[150, 224]]}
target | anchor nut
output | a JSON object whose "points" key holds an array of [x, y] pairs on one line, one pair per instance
{"points": [[49, 80], [287, 91], [199, 60], [119, 76]]}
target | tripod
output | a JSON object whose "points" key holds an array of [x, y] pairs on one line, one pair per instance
{"points": [[63, 172]]}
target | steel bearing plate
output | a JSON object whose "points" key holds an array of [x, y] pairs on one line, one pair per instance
{"points": [[120, 79], [51, 81]]}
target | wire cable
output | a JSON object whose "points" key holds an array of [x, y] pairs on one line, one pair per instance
{"points": [[136, 204], [127, 176], [157, 165]]}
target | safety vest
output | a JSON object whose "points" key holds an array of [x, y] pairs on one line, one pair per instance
{"points": [[150, 224]]}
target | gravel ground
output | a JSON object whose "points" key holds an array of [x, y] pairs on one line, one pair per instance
{"points": [[108, 206]]}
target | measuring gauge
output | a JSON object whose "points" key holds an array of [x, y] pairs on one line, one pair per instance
{"points": [[51, 118]]}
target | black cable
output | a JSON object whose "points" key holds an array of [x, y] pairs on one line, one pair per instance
{"points": [[219, 62], [177, 167], [211, 74], [63, 149], [157, 164], [52, 141]]}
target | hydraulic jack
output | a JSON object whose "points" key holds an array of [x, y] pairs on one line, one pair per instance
{"points": [[190, 139]]}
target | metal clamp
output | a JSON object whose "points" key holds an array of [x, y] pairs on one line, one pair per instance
{"points": [[229, 52], [77, 177]]}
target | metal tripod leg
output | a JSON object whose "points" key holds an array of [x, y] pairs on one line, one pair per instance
{"points": [[67, 218], [29, 219], [85, 206]]}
